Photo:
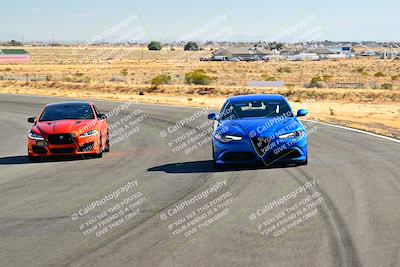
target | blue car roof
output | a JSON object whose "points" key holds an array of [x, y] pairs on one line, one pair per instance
{"points": [[256, 97]]}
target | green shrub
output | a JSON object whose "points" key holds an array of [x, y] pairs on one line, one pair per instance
{"points": [[191, 46], [275, 45], [124, 72], [285, 69], [161, 79], [153, 45], [387, 86], [317, 82], [290, 85], [266, 77], [379, 74], [326, 78], [359, 69], [317, 79], [73, 79], [198, 77]]}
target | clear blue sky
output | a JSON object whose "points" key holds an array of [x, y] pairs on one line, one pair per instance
{"points": [[163, 19]]}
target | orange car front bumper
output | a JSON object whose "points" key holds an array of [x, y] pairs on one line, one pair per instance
{"points": [[78, 146]]}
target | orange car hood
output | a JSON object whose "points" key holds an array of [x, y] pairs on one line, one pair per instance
{"points": [[64, 126]]}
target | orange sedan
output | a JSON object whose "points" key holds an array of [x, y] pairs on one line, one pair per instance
{"points": [[70, 128]]}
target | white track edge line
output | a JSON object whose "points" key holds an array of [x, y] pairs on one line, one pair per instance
{"points": [[355, 130]]}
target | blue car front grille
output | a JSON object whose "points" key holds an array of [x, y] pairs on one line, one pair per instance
{"points": [[261, 145]]}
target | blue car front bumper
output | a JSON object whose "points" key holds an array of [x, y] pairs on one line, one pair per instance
{"points": [[246, 151]]}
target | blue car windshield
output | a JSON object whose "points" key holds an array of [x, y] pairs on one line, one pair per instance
{"points": [[256, 109], [73, 111]]}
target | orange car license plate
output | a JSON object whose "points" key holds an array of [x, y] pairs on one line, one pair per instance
{"points": [[41, 143]]}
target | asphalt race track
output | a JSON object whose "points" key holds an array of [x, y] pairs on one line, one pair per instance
{"points": [[357, 179]]}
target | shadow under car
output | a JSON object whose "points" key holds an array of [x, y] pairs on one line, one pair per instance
{"points": [[207, 166], [15, 160]]}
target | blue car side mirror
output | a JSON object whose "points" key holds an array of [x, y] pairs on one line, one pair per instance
{"points": [[302, 112], [212, 116]]}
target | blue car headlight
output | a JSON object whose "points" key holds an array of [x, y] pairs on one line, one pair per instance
{"points": [[227, 138], [295, 134], [36, 137]]}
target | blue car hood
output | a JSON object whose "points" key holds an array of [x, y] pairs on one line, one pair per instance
{"points": [[260, 127]]}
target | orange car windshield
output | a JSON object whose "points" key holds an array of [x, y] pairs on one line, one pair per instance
{"points": [[67, 112]]}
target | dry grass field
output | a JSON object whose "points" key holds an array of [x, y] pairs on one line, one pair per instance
{"points": [[360, 93]]}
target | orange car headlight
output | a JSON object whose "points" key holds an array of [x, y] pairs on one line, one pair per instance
{"points": [[36, 137], [89, 134]]}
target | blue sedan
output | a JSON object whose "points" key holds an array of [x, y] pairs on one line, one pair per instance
{"points": [[258, 128]]}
